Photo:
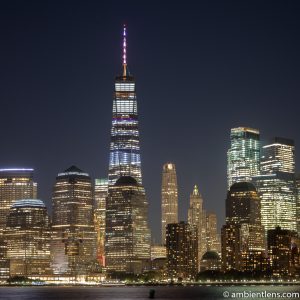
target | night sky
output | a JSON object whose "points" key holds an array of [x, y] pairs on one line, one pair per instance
{"points": [[200, 68]]}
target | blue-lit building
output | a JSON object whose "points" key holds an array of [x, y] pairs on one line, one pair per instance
{"points": [[127, 235], [125, 159]]}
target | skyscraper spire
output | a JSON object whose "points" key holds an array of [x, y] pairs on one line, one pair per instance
{"points": [[125, 159], [124, 52]]}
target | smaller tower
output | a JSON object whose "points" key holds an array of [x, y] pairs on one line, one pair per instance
{"points": [[169, 198]]}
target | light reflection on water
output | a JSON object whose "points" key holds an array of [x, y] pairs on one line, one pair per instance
{"points": [[161, 292]]}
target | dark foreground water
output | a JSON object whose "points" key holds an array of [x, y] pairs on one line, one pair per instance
{"points": [[161, 292]]}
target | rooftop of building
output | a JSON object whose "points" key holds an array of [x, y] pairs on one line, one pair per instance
{"points": [[28, 203], [16, 172], [242, 187], [73, 171], [126, 180], [211, 255]]}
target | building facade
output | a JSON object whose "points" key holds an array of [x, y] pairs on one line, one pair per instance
{"points": [[28, 235], [243, 156], [15, 184], [125, 157], [283, 250], [73, 245], [276, 185], [197, 218], [212, 236], [127, 244], [169, 198], [100, 198], [243, 234], [182, 251]]}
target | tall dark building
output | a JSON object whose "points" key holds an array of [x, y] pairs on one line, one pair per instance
{"points": [[182, 250], [243, 234], [283, 250], [127, 244], [73, 246], [125, 159]]}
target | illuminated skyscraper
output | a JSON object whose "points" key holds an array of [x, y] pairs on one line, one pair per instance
{"points": [[169, 198], [127, 245], [276, 185], [27, 235], [212, 235], [243, 235], [15, 184], [100, 197], [197, 219], [73, 246], [243, 155], [182, 251], [125, 159]]}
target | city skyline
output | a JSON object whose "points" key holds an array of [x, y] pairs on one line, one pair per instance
{"points": [[48, 147]]}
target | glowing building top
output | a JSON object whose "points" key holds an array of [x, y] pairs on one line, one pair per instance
{"points": [[125, 157]]}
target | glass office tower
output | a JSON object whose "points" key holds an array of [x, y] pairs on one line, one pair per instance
{"points": [[243, 156], [125, 158], [15, 184], [276, 185], [27, 235], [73, 246], [127, 244]]}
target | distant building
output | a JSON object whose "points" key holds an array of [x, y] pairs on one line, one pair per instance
{"points": [[182, 251], [283, 250], [243, 156], [276, 185], [15, 184], [212, 236], [197, 218], [27, 235], [169, 198], [100, 197], [243, 234], [127, 244], [73, 245], [298, 202]]}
